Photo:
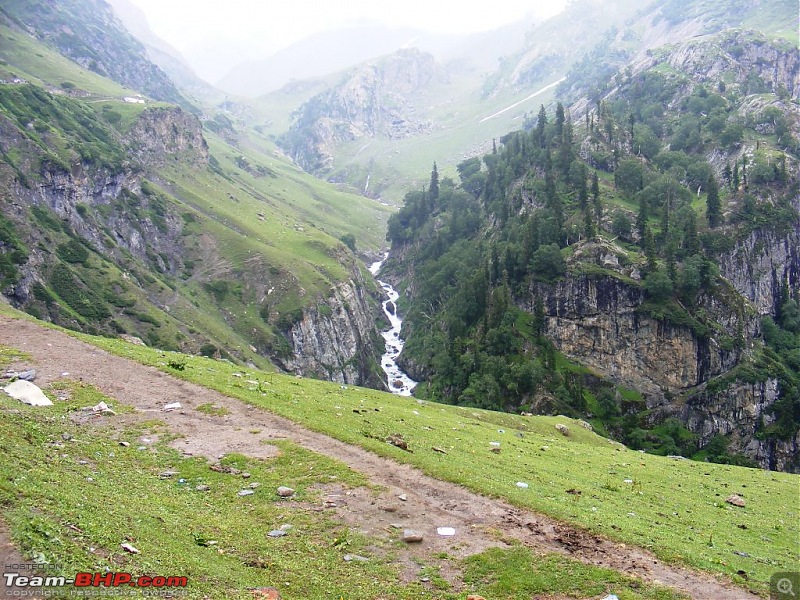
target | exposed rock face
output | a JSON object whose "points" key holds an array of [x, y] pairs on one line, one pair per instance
{"points": [[90, 34], [736, 411], [374, 100], [337, 340], [167, 132], [598, 321], [743, 56], [760, 265]]}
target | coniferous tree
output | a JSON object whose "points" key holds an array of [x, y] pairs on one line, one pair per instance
{"points": [[713, 205], [433, 189], [691, 243], [560, 118], [641, 219], [727, 174], [735, 178], [541, 123], [598, 207], [588, 224]]}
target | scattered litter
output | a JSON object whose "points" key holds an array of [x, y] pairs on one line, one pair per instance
{"points": [[27, 392], [494, 444], [446, 531], [246, 493], [628, 481], [611, 597], [402, 497], [172, 406], [100, 407], [124, 444], [128, 548], [522, 484], [167, 474]]}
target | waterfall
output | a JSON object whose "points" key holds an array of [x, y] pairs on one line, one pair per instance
{"points": [[398, 382]]}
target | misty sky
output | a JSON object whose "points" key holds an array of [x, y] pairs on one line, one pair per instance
{"points": [[212, 34]]}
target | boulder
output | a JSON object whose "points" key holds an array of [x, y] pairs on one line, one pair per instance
{"points": [[27, 392]]}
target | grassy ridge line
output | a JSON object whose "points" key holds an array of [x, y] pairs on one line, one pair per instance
{"points": [[72, 494], [675, 508]]}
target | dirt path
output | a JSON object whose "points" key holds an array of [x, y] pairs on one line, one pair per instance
{"points": [[480, 522]]}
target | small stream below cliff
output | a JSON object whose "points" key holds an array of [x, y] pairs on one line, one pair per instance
{"points": [[398, 382]]}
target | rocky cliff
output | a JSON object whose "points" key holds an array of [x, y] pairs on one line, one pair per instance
{"points": [[759, 265], [337, 339], [90, 34], [373, 100], [601, 322], [164, 133], [685, 368], [108, 246]]}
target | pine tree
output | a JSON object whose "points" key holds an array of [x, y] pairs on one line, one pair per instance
{"points": [[641, 219], [433, 189], [713, 205], [541, 122], [560, 118], [727, 174], [691, 243], [588, 224]]}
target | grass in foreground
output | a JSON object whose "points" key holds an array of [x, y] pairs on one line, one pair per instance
{"points": [[73, 494], [675, 508]]}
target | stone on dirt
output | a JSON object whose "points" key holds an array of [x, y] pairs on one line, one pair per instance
{"points": [[28, 375], [27, 392], [285, 492], [411, 537]]}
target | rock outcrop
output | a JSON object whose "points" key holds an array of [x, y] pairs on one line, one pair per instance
{"points": [[163, 133], [337, 339], [761, 264], [373, 100]]}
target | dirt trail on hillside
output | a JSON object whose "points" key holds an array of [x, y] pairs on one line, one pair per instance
{"points": [[480, 522]]}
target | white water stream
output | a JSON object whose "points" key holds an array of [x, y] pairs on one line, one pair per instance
{"points": [[399, 383]]}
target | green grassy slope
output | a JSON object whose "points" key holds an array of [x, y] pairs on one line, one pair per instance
{"points": [[675, 508], [75, 488], [254, 227]]}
